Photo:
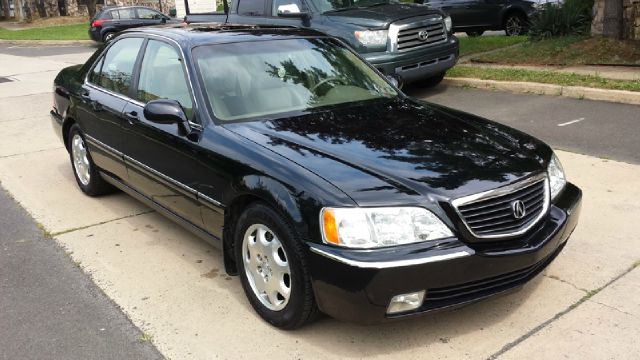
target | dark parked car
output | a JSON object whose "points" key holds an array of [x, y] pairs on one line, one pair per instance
{"points": [[110, 21], [409, 41], [477, 16], [326, 188]]}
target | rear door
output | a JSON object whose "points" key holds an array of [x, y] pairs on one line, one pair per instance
{"points": [[126, 18], [103, 98], [161, 160]]}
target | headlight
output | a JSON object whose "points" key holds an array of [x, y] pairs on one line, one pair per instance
{"points": [[557, 180], [448, 24], [379, 227], [372, 37]]}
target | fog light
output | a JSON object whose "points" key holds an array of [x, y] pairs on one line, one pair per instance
{"points": [[405, 302]]}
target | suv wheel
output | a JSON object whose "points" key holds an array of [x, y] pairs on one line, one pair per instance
{"points": [[272, 268], [84, 170], [431, 81], [515, 24]]}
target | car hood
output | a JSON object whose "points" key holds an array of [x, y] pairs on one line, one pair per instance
{"points": [[382, 15], [401, 151]]}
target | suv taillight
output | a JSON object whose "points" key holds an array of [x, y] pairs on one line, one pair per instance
{"points": [[97, 23]]}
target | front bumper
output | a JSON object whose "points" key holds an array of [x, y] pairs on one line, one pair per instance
{"points": [[357, 285], [417, 65]]}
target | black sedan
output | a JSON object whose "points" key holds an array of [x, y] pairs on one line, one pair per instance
{"points": [[109, 21], [477, 16], [326, 188]]}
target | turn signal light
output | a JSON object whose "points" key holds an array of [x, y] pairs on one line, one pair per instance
{"points": [[329, 227]]}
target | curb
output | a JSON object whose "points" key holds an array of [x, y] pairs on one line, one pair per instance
{"points": [[47, 42], [576, 92]]}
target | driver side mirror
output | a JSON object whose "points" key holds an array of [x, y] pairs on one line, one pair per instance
{"points": [[166, 111], [291, 11]]}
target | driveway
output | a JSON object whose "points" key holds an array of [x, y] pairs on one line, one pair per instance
{"points": [[173, 286]]}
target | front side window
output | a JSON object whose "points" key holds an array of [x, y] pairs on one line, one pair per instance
{"points": [[117, 65], [162, 76], [247, 80], [251, 7], [290, 6]]}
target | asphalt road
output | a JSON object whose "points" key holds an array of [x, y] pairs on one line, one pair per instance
{"points": [[50, 309]]}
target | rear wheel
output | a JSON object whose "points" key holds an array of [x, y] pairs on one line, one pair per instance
{"points": [[475, 33], [108, 36], [84, 170], [515, 24], [431, 81], [272, 269]]}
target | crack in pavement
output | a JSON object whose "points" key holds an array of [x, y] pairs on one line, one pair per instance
{"points": [[557, 316], [565, 282], [100, 223], [31, 152], [613, 308]]}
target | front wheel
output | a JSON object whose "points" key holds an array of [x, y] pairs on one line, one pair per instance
{"points": [[515, 24], [272, 269], [431, 81]]}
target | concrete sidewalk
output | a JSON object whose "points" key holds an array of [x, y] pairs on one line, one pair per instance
{"points": [[173, 287]]}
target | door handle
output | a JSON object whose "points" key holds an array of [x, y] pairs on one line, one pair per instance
{"points": [[131, 116], [85, 96]]}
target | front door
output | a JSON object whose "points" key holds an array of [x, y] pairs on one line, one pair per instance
{"points": [[161, 159], [103, 99]]}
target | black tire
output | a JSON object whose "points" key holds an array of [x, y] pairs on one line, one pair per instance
{"points": [[515, 24], [431, 81], [475, 33], [95, 185], [301, 307], [108, 36]]}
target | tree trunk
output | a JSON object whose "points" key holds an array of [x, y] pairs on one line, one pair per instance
{"points": [[91, 8], [5, 7], [612, 20]]}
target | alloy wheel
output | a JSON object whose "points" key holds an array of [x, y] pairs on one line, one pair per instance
{"points": [[266, 267], [80, 160], [514, 26]]}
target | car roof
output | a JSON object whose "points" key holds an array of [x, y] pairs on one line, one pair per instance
{"points": [[201, 34]]}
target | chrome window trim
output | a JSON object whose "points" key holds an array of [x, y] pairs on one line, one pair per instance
{"points": [[394, 30], [486, 195], [137, 102], [392, 263]]}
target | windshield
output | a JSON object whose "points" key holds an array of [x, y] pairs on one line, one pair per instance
{"points": [[254, 79], [338, 5]]}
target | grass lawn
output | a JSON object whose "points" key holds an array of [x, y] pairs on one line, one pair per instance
{"points": [[547, 77], [568, 50], [473, 45], [65, 32]]}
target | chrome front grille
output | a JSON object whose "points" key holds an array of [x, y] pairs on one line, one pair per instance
{"points": [[493, 214], [413, 34]]}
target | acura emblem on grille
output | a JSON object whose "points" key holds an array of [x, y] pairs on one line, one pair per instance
{"points": [[519, 210], [423, 35]]}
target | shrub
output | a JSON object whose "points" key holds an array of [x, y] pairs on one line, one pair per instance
{"points": [[573, 17]]}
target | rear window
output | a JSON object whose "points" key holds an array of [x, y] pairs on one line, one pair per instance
{"points": [[105, 15]]}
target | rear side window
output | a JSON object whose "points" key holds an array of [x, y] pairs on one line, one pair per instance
{"points": [[125, 14], [251, 7], [116, 67], [105, 15], [162, 76]]}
